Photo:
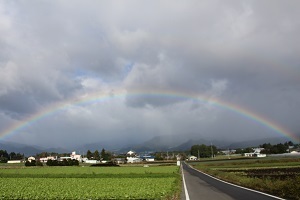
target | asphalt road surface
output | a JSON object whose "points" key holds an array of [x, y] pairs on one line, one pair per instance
{"points": [[200, 186]]}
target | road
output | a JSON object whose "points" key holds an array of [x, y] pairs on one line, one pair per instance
{"points": [[201, 186]]}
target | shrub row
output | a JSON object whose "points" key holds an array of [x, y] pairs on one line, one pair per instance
{"points": [[64, 162]]}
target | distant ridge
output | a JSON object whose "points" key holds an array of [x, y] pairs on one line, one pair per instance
{"points": [[28, 150], [255, 143], [157, 143]]}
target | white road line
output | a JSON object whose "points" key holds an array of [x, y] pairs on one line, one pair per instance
{"points": [[187, 197], [237, 185]]}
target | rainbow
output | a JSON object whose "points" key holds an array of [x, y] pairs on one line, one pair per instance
{"points": [[106, 96]]}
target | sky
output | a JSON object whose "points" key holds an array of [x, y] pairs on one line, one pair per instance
{"points": [[174, 53]]}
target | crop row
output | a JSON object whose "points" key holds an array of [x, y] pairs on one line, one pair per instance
{"points": [[104, 175], [86, 188], [91, 170]]}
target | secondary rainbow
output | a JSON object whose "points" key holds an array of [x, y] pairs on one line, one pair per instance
{"points": [[106, 96]]}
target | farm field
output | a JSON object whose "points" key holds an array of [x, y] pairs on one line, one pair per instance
{"points": [[155, 182], [275, 176]]}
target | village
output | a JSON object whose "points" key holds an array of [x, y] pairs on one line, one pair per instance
{"points": [[196, 153]]}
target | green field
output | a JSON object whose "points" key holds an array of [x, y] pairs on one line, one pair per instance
{"points": [[155, 182], [276, 176]]}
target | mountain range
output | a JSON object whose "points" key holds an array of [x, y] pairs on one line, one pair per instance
{"points": [[158, 143]]}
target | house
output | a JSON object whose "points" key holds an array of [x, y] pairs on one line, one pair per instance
{"points": [[256, 153], [31, 158], [75, 156], [147, 158], [120, 160], [132, 157], [47, 158], [14, 161], [91, 161], [193, 158], [134, 160], [259, 155]]}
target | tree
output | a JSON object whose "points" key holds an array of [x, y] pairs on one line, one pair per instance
{"points": [[238, 151], [89, 154], [96, 155], [203, 151], [105, 155], [3, 156], [158, 156]]}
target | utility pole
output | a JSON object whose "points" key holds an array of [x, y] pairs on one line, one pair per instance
{"points": [[198, 155], [212, 155]]}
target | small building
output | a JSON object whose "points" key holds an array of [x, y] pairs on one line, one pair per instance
{"points": [[47, 158], [256, 153], [193, 158], [91, 161], [14, 161], [147, 158], [259, 155], [75, 156], [31, 158], [132, 157], [134, 160], [120, 160]]}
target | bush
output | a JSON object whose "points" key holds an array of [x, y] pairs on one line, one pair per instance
{"points": [[29, 164], [64, 162], [108, 164], [39, 163]]}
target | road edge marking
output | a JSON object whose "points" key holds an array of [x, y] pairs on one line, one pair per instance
{"points": [[256, 191], [187, 197]]}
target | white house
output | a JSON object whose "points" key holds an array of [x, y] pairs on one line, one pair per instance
{"points": [[14, 161], [91, 161], [31, 158], [134, 160], [74, 156], [193, 158], [256, 153], [132, 157], [48, 158]]}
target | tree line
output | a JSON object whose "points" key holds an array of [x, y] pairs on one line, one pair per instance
{"points": [[277, 148], [203, 151], [269, 148], [4, 156], [104, 155]]}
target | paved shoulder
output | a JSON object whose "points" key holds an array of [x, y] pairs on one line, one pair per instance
{"points": [[201, 186]]}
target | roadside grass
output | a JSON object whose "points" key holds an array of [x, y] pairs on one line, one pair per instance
{"points": [[271, 178]]}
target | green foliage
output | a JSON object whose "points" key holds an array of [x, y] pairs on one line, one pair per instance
{"points": [[158, 156], [39, 163], [277, 148], [28, 164], [96, 155], [3, 156], [75, 183], [64, 162], [203, 151], [33, 163], [105, 155], [89, 154], [108, 164]]}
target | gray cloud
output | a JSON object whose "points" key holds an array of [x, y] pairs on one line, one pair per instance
{"points": [[241, 52]]}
